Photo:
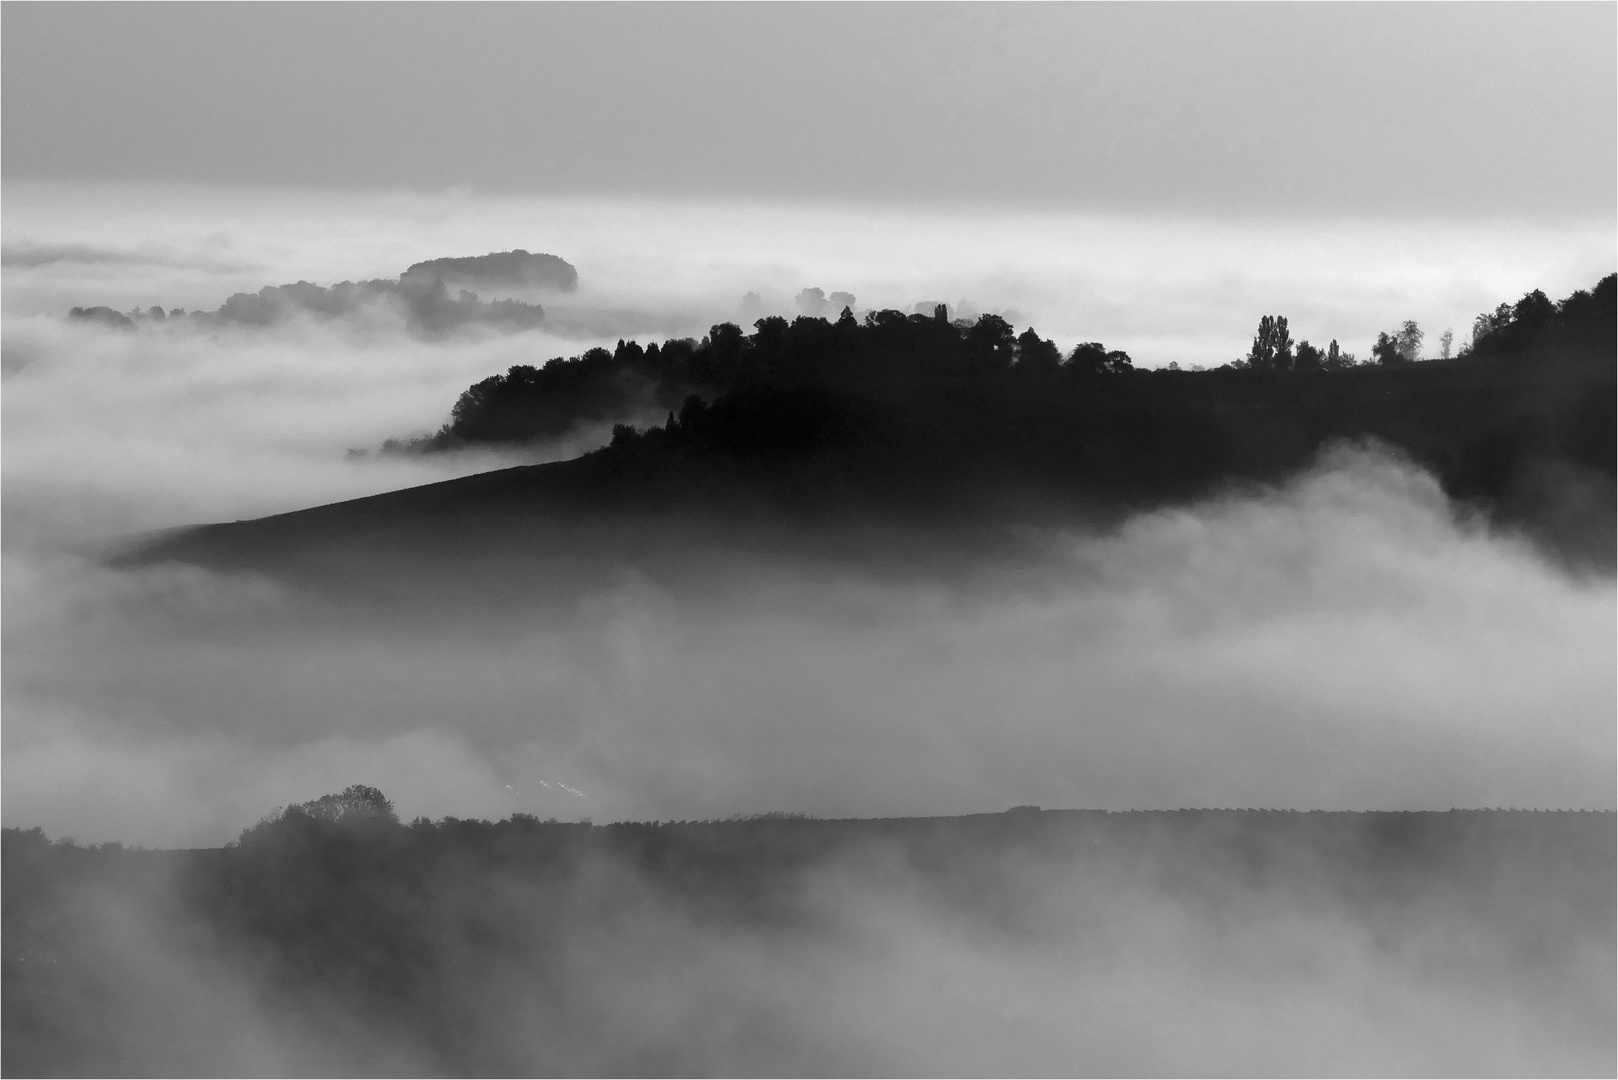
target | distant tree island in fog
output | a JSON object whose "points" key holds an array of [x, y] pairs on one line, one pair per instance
{"points": [[422, 293], [514, 269]]}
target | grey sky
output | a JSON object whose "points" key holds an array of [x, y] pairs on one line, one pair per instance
{"points": [[1446, 109]]}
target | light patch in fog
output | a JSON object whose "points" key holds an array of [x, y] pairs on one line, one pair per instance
{"points": [[1345, 642]]}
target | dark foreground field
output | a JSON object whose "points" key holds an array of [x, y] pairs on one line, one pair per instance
{"points": [[1055, 942]]}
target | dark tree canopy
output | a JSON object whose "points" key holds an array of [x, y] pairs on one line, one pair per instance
{"points": [[355, 807], [1272, 345], [1035, 354], [1410, 337], [889, 353], [106, 316], [921, 400], [1386, 350], [1584, 320]]}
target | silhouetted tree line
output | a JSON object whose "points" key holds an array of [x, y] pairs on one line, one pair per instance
{"points": [[913, 406], [897, 357], [960, 428], [104, 316], [424, 932], [1581, 321], [886, 355]]}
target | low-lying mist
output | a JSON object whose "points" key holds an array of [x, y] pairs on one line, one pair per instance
{"points": [[1349, 641], [109, 432], [1022, 943], [1182, 289]]}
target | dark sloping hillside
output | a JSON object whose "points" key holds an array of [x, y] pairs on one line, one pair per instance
{"points": [[816, 432]]}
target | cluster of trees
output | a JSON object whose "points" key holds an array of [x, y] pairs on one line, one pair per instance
{"points": [[1274, 350], [1582, 320], [816, 304], [887, 353], [356, 806], [106, 316], [1401, 347], [891, 353], [899, 412], [125, 320]]}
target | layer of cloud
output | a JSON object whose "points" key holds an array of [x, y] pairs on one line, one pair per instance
{"points": [[1188, 290], [29, 256]]}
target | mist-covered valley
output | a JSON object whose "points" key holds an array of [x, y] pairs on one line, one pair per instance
{"points": [[690, 620], [333, 940], [706, 539]]}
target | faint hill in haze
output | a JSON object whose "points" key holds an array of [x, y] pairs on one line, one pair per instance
{"points": [[421, 296], [511, 269]]}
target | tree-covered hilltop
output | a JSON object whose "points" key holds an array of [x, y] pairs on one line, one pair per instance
{"points": [[887, 356], [1582, 321], [919, 407], [892, 356], [855, 432]]}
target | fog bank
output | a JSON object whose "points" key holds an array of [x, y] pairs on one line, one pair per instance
{"points": [[1025, 943], [1179, 288], [1350, 641]]}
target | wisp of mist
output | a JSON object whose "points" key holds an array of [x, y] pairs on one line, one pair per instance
{"points": [[1345, 642]]}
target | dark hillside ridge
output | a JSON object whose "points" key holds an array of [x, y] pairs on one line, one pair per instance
{"points": [[915, 360], [422, 932], [912, 423]]}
